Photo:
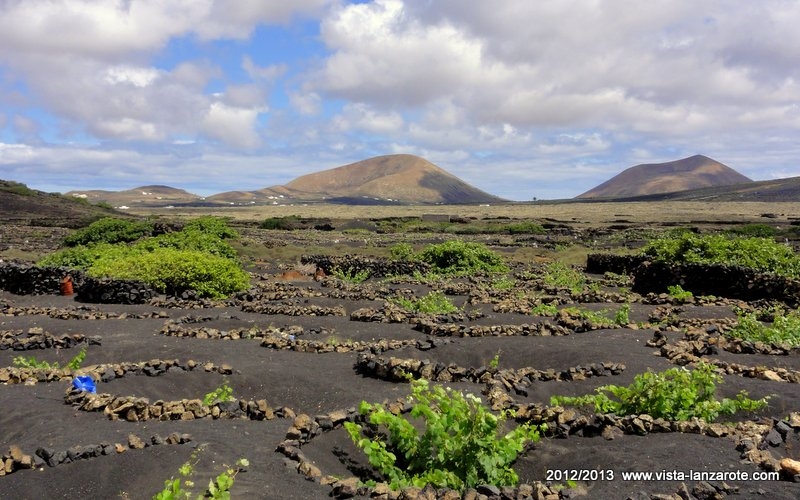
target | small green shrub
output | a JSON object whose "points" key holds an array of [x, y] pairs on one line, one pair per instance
{"points": [[214, 226], [785, 329], [678, 293], [288, 223], [109, 230], [545, 310], [350, 275], [525, 228], [433, 303], [189, 239], [762, 254], [503, 283], [33, 363], [622, 316], [674, 394], [563, 276], [457, 256], [460, 446], [221, 394], [401, 251], [180, 488]]}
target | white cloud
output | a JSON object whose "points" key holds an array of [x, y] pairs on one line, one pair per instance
{"points": [[232, 125]]}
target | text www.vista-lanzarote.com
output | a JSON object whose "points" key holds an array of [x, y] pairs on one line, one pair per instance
{"points": [[661, 475]]}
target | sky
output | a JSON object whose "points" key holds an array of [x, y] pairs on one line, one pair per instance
{"points": [[521, 99]]}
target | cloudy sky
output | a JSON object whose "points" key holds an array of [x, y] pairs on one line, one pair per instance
{"points": [[521, 99]]}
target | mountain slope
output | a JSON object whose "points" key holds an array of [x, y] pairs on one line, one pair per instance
{"points": [[776, 190], [694, 172], [140, 196], [20, 204], [399, 178]]}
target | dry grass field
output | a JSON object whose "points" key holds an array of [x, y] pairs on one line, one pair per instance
{"points": [[582, 214]]}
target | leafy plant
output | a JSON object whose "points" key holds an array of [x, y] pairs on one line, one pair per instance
{"points": [[674, 394], [544, 310], [785, 329], [435, 302], [503, 283], [622, 316], [561, 275], [288, 223], [763, 254], [180, 488], [457, 256], [495, 361], [214, 226], [678, 293], [460, 446], [109, 230], [351, 276], [221, 394], [173, 271], [196, 258], [31, 362], [401, 251]]}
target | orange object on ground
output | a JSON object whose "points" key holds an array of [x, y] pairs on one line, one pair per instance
{"points": [[66, 285]]}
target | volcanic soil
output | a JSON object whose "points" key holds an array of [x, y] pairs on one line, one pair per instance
{"points": [[34, 415]]}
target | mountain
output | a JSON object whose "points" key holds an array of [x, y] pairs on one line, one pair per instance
{"points": [[21, 205], [153, 196], [776, 190], [694, 172], [399, 178]]}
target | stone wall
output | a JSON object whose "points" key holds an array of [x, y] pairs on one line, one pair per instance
{"points": [[377, 267], [701, 279], [25, 279]]}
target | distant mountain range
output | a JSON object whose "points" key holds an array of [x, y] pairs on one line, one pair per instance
{"points": [[391, 179], [409, 179], [694, 172]]}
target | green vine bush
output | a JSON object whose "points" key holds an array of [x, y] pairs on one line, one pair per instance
{"points": [[32, 362], [109, 230], [350, 275], [674, 394], [460, 447], [460, 257], [222, 394], [561, 275], [434, 302], [196, 258], [785, 329], [219, 488], [762, 254]]}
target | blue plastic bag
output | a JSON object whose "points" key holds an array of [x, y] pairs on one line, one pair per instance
{"points": [[84, 383]]}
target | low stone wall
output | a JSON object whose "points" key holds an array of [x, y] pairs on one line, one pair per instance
{"points": [[16, 459], [106, 291], [700, 279], [377, 267], [716, 279], [600, 263], [25, 279]]}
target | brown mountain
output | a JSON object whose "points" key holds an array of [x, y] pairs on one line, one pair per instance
{"points": [[694, 172], [140, 196], [400, 178], [775, 190], [21, 205]]}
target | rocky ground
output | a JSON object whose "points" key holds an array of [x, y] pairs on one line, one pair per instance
{"points": [[301, 355]]}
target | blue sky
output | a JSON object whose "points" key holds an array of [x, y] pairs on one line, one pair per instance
{"points": [[521, 99]]}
